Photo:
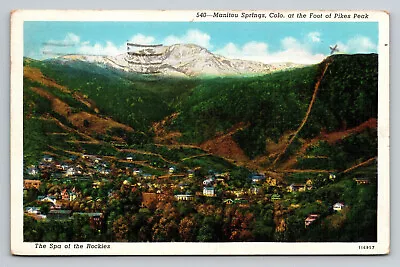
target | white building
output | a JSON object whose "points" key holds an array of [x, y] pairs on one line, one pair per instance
{"points": [[184, 197], [32, 170], [209, 191], [33, 210], [171, 170], [338, 206], [70, 172]]}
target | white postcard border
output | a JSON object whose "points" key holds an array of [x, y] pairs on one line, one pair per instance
{"points": [[19, 247]]}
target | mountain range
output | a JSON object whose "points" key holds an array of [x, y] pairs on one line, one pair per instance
{"points": [[180, 60]]}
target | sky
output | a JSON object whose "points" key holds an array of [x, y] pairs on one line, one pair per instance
{"points": [[268, 42]]}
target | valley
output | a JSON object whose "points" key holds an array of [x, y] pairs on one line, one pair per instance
{"points": [[123, 156]]}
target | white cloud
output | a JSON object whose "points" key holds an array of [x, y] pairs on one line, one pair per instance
{"points": [[142, 39], [255, 48], [191, 37], [315, 37], [229, 49], [70, 39], [292, 50], [291, 43], [73, 38], [109, 49], [72, 44], [358, 44]]}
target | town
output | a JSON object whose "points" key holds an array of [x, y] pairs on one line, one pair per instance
{"points": [[82, 186]]}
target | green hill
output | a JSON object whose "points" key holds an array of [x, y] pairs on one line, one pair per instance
{"points": [[132, 99], [276, 103], [271, 106]]}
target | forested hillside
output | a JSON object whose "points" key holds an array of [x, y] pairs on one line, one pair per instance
{"points": [[202, 159]]}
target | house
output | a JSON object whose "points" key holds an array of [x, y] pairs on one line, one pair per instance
{"points": [[86, 156], [65, 194], [127, 183], [28, 184], [208, 182], [32, 170], [47, 158], [147, 176], [32, 210], [129, 158], [64, 166], [224, 175], [208, 191], [309, 184], [58, 165], [257, 178], [72, 196], [228, 201], [68, 196], [171, 170], [182, 186], [361, 181], [104, 171], [297, 188], [42, 166], [310, 219], [254, 190], [271, 181], [137, 171], [35, 216], [98, 184], [338, 206], [95, 218], [50, 199], [240, 201], [184, 197], [59, 214], [70, 172]]}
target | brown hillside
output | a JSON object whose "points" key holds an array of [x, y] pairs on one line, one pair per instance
{"points": [[36, 75], [225, 146], [331, 138], [96, 124], [162, 136]]}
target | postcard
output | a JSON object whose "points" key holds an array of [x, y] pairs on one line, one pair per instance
{"points": [[202, 132]]}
